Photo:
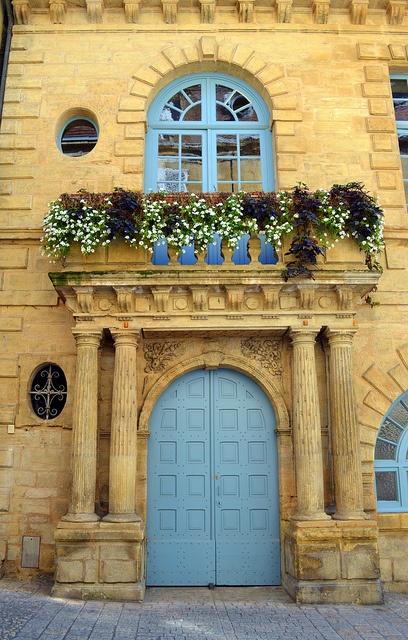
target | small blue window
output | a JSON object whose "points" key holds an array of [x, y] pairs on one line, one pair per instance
{"points": [[391, 458], [78, 137]]}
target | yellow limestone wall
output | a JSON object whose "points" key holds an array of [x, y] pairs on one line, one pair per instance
{"points": [[327, 86]]}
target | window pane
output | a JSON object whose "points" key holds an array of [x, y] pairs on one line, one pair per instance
{"points": [[399, 87], [401, 109], [223, 93], [48, 391], [400, 414], [169, 145], [193, 93], [389, 431], [191, 146], [192, 170], [250, 145], [227, 145], [386, 482], [193, 114], [223, 114], [250, 170], [227, 170], [403, 143], [384, 450]]}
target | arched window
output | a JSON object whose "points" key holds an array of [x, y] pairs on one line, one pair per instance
{"points": [[391, 458], [209, 133]]}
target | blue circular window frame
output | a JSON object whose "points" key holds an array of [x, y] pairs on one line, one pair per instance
{"points": [[68, 122]]}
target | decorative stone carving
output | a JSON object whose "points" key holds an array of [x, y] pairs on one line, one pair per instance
{"points": [[207, 11], [21, 10], [235, 298], [320, 10], [396, 11], [199, 299], [132, 10], [271, 297], [58, 10], [358, 11], [157, 354], [306, 297], [85, 299], [344, 298], [267, 351], [161, 298], [284, 11], [94, 9], [170, 11], [124, 297], [246, 10]]}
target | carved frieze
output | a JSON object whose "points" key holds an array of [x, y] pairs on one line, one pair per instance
{"points": [[284, 11], [58, 10], [358, 11], [207, 11], [321, 10], [396, 11], [267, 351], [21, 11], [132, 10], [246, 10], [170, 10], [157, 354]]}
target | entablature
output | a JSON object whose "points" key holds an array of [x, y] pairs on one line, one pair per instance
{"points": [[179, 301]]}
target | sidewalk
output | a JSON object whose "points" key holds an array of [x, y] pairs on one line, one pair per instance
{"points": [[226, 613]]}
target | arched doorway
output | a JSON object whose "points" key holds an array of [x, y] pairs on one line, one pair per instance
{"points": [[213, 500]]}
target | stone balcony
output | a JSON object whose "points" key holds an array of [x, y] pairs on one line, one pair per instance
{"points": [[119, 286]]}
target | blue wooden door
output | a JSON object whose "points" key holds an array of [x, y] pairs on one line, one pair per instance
{"points": [[213, 508]]}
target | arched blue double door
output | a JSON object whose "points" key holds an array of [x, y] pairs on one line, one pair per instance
{"points": [[213, 504]]}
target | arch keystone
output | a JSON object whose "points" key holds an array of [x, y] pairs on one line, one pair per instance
{"points": [[208, 48]]}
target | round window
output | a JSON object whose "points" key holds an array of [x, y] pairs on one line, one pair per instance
{"points": [[78, 137], [48, 391]]}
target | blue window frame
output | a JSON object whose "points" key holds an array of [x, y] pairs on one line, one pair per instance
{"points": [[209, 133], [391, 458], [399, 86]]}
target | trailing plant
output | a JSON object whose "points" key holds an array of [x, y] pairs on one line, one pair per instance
{"points": [[316, 221]]}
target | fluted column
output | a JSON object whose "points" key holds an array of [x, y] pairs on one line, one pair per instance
{"points": [[123, 450], [344, 428], [85, 428], [306, 428]]}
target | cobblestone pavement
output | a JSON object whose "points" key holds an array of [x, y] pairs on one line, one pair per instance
{"points": [[226, 613]]}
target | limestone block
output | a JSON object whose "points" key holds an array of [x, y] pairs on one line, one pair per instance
{"points": [[318, 562], [382, 142], [385, 160], [380, 124], [8, 369], [6, 457], [76, 571], [372, 51], [378, 107], [397, 51], [360, 561], [4, 499], [16, 203], [11, 323], [118, 571]]}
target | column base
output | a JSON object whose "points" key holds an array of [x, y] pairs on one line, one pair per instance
{"points": [[350, 515], [99, 561], [332, 562], [80, 517], [321, 516], [121, 517]]}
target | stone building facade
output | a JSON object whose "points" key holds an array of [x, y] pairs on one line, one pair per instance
{"points": [[328, 360]]}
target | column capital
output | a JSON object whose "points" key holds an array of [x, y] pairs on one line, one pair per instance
{"points": [[86, 337], [303, 334], [126, 338], [340, 336]]}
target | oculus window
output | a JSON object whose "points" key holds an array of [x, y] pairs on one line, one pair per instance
{"points": [[78, 137], [209, 133], [391, 458], [399, 86]]}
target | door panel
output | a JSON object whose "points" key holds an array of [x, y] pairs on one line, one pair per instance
{"points": [[212, 484]]}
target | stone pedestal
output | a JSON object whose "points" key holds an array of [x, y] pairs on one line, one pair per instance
{"points": [[99, 561], [332, 562]]}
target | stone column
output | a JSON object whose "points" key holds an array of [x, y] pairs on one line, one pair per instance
{"points": [[344, 428], [85, 428], [123, 450], [306, 428]]}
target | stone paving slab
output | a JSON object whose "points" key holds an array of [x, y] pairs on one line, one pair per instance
{"points": [[27, 612]]}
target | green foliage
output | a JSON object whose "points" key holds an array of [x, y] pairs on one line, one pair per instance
{"points": [[316, 220]]}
